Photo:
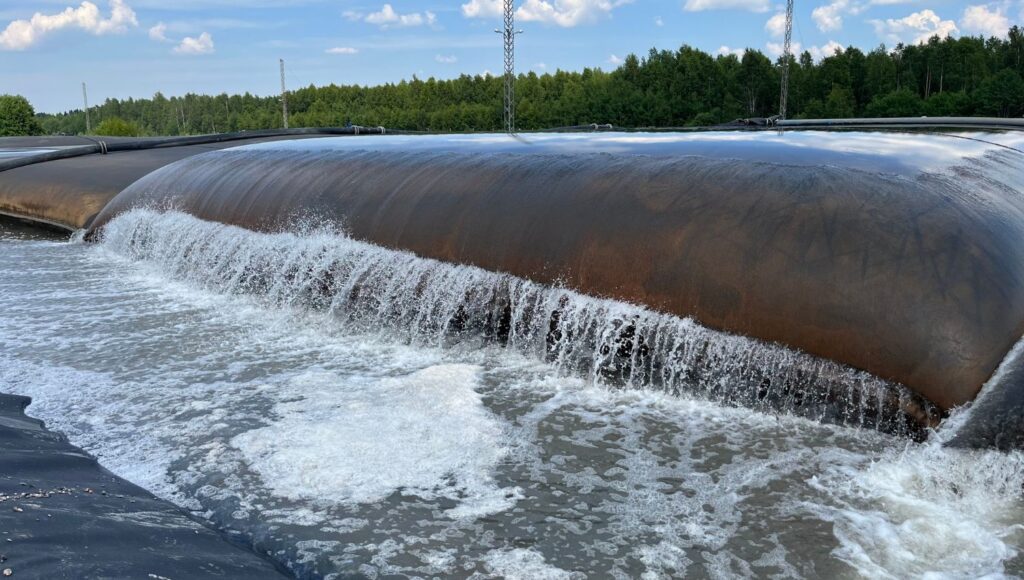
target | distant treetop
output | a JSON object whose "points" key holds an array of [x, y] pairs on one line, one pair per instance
{"points": [[664, 88], [17, 117]]}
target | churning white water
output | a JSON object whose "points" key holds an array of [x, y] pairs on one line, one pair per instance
{"points": [[355, 410]]}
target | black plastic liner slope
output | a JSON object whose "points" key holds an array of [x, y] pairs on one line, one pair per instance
{"points": [[62, 515]]}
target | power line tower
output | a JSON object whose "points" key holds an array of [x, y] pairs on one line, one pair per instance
{"points": [[85, 99], [284, 97], [509, 39], [786, 57]]}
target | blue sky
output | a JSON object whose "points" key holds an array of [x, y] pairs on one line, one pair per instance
{"points": [[125, 48]]}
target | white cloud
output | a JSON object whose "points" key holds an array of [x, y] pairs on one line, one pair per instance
{"points": [[482, 9], [774, 49], [194, 46], [451, 59], [916, 28], [725, 51], [776, 25], [658, 21], [829, 49], [615, 60], [567, 13], [21, 34], [541, 66], [981, 20], [751, 5], [159, 33], [387, 17], [342, 50], [830, 16]]}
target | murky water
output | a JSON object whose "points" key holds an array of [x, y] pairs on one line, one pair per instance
{"points": [[381, 428]]}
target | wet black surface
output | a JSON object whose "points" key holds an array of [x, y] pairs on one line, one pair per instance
{"points": [[997, 417], [62, 515]]}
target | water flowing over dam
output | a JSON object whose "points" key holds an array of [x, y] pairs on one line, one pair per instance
{"points": [[552, 356], [430, 302], [897, 256]]}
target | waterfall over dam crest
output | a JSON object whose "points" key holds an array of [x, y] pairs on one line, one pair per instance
{"points": [[430, 302]]}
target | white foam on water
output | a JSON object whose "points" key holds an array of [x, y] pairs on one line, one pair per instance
{"points": [[925, 511], [425, 434], [683, 470], [930, 511], [65, 398], [524, 564]]}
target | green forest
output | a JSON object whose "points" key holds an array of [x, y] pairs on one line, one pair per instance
{"points": [[685, 87]]}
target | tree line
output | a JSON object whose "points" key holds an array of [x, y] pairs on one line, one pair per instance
{"points": [[686, 87]]}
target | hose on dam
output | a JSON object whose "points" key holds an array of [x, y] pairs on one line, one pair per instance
{"points": [[107, 145]]}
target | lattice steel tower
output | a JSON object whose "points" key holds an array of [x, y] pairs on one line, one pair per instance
{"points": [[509, 39], [284, 97], [786, 57]]}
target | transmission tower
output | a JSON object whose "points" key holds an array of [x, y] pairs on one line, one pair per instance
{"points": [[509, 39], [786, 57], [284, 97], [85, 99]]}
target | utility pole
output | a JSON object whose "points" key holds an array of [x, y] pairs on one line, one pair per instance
{"points": [[284, 97], [786, 57], [85, 99], [509, 39]]}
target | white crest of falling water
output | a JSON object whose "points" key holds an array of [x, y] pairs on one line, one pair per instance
{"points": [[428, 301]]}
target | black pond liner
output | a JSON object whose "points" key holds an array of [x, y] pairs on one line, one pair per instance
{"points": [[62, 515]]}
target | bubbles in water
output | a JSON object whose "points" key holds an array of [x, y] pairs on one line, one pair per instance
{"points": [[925, 510], [522, 564], [425, 434]]}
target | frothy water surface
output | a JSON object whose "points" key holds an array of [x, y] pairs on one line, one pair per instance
{"points": [[362, 438]]}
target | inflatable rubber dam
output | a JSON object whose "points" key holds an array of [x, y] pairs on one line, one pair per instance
{"points": [[892, 253], [868, 277]]}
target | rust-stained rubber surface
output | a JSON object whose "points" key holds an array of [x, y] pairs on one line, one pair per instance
{"points": [[896, 253]]}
